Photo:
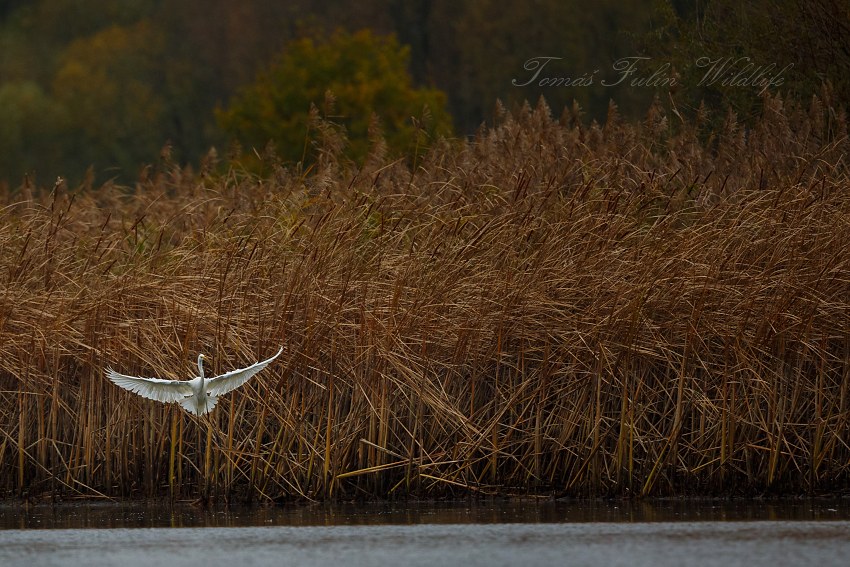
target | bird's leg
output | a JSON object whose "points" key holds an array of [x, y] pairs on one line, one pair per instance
{"points": [[207, 459], [209, 476], [200, 460], [175, 442]]}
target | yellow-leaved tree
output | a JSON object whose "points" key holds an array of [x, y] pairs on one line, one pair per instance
{"points": [[367, 74]]}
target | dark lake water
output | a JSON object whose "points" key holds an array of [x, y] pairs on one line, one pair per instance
{"points": [[525, 533]]}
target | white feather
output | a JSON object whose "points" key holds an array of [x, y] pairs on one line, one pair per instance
{"points": [[231, 380], [153, 388], [197, 396], [199, 405]]}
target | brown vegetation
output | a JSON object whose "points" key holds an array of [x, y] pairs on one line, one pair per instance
{"points": [[550, 308]]}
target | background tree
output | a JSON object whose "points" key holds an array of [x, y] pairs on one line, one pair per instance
{"points": [[367, 75], [33, 127], [810, 39], [113, 81], [479, 47]]}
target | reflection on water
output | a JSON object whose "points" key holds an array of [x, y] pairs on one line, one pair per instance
{"points": [[137, 515]]}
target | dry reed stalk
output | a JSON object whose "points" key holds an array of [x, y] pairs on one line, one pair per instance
{"points": [[548, 308]]}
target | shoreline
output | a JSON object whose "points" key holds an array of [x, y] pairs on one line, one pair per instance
{"points": [[147, 514]]}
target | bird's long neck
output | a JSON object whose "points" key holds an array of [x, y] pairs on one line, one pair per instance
{"points": [[201, 370]]}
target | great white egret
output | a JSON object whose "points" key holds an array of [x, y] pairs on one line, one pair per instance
{"points": [[199, 395]]}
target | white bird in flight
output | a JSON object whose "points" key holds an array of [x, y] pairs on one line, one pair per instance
{"points": [[197, 396]]}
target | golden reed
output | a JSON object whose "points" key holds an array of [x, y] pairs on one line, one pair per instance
{"points": [[550, 308]]}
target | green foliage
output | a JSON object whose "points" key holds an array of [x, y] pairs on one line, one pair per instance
{"points": [[131, 75], [796, 46], [110, 80], [32, 126], [367, 75], [484, 49], [108, 83], [34, 35]]}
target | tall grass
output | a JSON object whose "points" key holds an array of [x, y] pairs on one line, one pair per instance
{"points": [[549, 308]]}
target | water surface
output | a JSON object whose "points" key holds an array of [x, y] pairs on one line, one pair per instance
{"points": [[498, 533]]}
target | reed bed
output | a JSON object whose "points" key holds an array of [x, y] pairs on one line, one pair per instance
{"points": [[550, 309]]}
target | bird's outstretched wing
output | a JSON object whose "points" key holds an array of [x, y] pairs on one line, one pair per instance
{"points": [[235, 378], [152, 388]]}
